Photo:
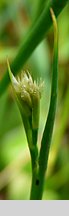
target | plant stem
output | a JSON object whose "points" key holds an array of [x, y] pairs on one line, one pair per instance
{"points": [[38, 180], [35, 36]]}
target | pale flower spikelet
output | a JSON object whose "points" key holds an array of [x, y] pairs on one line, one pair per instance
{"points": [[28, 93]]}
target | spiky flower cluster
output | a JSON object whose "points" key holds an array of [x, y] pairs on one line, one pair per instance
{"points": [[28, 92], [28, 89]]}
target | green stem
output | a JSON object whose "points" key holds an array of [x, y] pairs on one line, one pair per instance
{"points": [[35, 36], [32, 143], [37, 189]]}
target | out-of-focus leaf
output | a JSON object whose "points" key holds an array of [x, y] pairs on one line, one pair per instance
{"points": [[12, 144], [7, 53]]}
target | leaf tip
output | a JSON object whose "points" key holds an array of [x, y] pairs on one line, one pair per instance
{"points": [[54, 24]]}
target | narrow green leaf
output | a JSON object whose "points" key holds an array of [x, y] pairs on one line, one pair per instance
{"points": [[47, 135]]}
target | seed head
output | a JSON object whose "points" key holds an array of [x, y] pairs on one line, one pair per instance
{"points": [[27, 91]]}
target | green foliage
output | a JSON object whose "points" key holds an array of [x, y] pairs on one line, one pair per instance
{"points": [[15, 167], [35, 36]]}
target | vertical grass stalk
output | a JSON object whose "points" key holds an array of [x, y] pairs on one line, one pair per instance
{"points": [[38, 180]]}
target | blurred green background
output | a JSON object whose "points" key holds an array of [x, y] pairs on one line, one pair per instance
{"points": [[15, 167]]}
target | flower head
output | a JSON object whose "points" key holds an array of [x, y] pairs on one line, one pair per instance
{"points": [[28, 93]]}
